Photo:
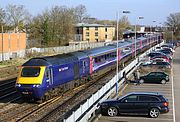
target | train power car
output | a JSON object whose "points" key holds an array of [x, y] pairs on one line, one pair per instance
{"points": [[47, 76]]}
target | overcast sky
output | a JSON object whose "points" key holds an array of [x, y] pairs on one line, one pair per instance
{"points": [[151, 10]]}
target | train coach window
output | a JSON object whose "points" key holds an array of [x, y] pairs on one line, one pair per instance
{"points": [[30, 72]]}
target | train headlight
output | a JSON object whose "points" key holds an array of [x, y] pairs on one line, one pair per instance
{"points": [[18, 85], [36, 85]]}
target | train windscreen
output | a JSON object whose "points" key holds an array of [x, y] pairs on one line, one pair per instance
{"points": [[30, 72]]}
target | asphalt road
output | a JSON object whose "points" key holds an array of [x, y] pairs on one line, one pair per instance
{"points": [[170, 90]]}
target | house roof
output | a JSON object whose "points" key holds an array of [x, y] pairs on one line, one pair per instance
{"points": [[92, 25]]}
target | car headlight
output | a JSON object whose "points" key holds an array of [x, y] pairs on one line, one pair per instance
{"points": [[167, 78]]}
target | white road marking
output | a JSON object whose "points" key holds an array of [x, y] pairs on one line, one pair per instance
{"points": [[139, 118], [174, 116]]}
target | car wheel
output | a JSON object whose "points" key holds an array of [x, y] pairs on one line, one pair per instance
{"points": [[163, 81], [141, 81], [154, 113], [112, 111]]}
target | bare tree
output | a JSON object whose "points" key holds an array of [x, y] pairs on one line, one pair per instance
{"points": [[124, 25], [2, 15], [17, 16], [173, 22], [81, 13]]}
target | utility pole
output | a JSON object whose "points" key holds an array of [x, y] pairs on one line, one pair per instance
{"points": [[2, 42]]}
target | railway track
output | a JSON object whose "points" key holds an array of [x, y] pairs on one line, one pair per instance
{"points": [[37, 112], [8, 92], [61, 106]]}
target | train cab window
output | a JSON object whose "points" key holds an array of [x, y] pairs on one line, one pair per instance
{"points": [[30, 72], [96, 60], [84, 63], [47, 73]]}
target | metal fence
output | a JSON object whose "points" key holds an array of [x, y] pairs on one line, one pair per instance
{"points": [[51, 50]]}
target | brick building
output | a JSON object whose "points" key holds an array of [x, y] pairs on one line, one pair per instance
{"points": [[12, 45], [94, 32], [12, 42]]}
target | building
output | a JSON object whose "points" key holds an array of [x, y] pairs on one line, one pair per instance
{"points": [[12, 45], [94, 32]]}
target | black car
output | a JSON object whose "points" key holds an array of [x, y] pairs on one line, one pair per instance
{"points": [[150, 103], [152, 54], [167, 52], [155, 77]]}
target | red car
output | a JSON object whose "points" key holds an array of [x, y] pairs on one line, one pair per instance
{"points": [[160, 56]]}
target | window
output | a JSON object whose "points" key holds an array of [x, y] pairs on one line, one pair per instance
{"points": [[106, 36], [96, 28], [87, 39], [105, 29], [96, 33], [87, 28], [159, 74], [84, 63], [148, 99], [131, 98], [87, 33], [152, 74], [30, 72]]}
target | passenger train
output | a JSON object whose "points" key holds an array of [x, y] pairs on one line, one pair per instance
{"points": [[49, 75]]}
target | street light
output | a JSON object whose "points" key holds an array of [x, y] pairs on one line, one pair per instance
{"points": [[135, 34], [2, 43], [117, 17]]}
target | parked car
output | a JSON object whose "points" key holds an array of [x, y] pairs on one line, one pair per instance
{"points": [[167, 45], [155, 77], [159, 60], [169, 49], [149, 103], [167, 52], [159, 64], [161, 56], [152, 54]]}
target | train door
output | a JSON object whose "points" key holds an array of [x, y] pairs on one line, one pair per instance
{"points": [[85, 67], [49, 76], [76, 70]]}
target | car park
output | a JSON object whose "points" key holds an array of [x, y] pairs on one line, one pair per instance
{"points": [[155, 77], [149, 103]]}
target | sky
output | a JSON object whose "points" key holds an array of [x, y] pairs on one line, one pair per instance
{"points": [[151, 10]]}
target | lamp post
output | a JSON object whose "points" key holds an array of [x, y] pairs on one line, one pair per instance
{"points": [[136, 35], [172, 36], [117, 52], [2, 43]]}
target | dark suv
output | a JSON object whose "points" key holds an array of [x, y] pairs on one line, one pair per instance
{"points": [[150, 103], [155, 77]]}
